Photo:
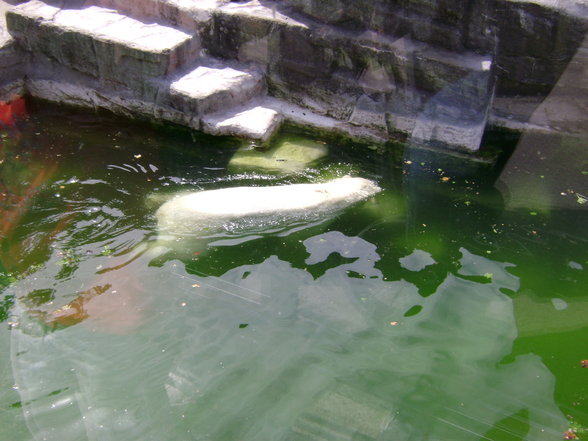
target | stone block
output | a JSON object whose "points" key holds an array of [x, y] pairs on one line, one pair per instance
{"points": [[527, 29], [208, 90], [456, 116], [100, 42], [255, 122], [287, 156], [12, 63]]}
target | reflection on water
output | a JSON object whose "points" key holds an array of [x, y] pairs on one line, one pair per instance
{"points": [[436, 315]]}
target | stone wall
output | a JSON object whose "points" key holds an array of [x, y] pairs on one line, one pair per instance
{"points": [[382, 62], [531, 40], [431, 71], [12, 61]]}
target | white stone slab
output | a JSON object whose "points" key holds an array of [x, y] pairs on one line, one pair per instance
{"points": [[204, 81], [257, 123], [37, 9], [208, 90], [256, 9], [108, 25]]}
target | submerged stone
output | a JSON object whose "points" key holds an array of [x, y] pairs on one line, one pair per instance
{"points": [[287, 156], [238, 208]]}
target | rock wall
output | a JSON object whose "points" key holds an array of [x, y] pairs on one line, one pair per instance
{"points": [[530, 40], [408, 49], [434, 72], [12, 61]]}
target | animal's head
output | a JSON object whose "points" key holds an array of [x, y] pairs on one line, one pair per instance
{"points": [[352, 188]]}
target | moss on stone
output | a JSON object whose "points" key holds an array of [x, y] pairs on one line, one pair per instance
{"points": [[288, 155]]}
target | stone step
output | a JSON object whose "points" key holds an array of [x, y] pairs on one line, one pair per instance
{"points": [[187, 15], [254, 121], [101, 42], [206, 90]]}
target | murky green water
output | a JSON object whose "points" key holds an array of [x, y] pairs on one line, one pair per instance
{"points": [[434, 311]]}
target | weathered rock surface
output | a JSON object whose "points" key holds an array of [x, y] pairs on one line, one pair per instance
{"points": [[433, 72], [254, 121], [208, 89], [11, 61], [100, 42], [12, 68], [531, 40]]}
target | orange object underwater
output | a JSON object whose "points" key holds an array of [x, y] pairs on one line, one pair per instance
{"points": [[11, 111]]}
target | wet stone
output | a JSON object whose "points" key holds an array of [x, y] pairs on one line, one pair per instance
{"points": [[287, 156]]}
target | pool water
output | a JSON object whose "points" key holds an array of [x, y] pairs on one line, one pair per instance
{"points": [[435, 310]]}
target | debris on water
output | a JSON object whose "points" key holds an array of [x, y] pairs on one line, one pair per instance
{"points": [[575, 265], [243, 325], [569, 434], [393, 323], [584, 363], [559, 304], [195, 285]]}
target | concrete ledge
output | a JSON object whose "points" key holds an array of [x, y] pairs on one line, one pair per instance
{"points": [[101, 42], [210, 89], [256, 122]]}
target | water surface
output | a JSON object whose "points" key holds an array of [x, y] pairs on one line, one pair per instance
{"points": [[436, 310]]}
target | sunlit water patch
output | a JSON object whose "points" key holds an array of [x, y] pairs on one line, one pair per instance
{"points": [[427, 311]]}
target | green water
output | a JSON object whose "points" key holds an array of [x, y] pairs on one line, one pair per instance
{"points": [[436, 310]]}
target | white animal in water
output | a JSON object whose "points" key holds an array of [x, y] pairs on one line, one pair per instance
{"points": [[239, 208]]}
